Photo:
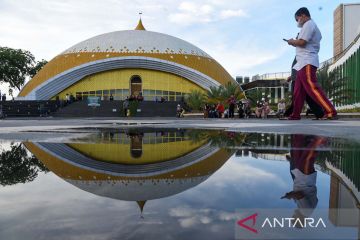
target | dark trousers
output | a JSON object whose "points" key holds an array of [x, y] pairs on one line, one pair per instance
{"points": [[231, 110]]}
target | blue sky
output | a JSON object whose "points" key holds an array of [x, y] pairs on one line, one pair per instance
{"points": [[244, 36]]}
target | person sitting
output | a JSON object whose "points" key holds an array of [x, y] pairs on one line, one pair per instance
{"points": [[281, 108], [206, 110], [266, 110], [179, 111], [132, 97], [227, 113], [240, 108], [258, 109], [140, 97], [220, 110], [247, 110], [162, 100], [212, 111]]}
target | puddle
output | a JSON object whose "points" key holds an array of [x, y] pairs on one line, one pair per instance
{"points": [[173, 183]]}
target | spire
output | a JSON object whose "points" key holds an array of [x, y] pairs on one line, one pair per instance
{"points": [[141, 206], [140, 26]]}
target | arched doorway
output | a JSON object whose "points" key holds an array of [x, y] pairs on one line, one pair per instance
{"points": [[135, 85], [136, 145]]}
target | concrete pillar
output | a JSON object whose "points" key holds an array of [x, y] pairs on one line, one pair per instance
{"points": [[282, 93], [276, 95]]}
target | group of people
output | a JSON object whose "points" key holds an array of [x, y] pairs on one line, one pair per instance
{"points": [[220, 111]]}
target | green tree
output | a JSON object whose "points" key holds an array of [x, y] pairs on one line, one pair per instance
{"points": [[16, 65], [195, 99], [229, 89], [214, 94], [17, 166], [38, 66]]}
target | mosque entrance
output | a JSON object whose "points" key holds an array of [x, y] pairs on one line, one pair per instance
{"points": [[135, 85]]}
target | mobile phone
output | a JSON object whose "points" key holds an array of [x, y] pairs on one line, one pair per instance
{"points": [[285, 39]]}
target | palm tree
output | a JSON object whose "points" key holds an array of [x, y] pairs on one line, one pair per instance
{"points": [[215, 94], [195, 99], [231, 89]]}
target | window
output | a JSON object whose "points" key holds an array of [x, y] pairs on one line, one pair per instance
{"points": [[146, 92]]}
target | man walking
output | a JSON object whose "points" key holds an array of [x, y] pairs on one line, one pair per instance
{"points": [[307, 49]]}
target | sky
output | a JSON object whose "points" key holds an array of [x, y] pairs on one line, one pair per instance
{"points": [[245, 36]]}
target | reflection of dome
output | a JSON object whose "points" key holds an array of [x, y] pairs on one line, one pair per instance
{"points": [[130, 182], [107, 62]]}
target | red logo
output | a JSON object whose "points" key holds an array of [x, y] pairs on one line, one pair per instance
{"points": [[242, 221]]}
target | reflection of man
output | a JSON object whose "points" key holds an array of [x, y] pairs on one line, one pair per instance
{"points": [[302, 158], [307, 49]]}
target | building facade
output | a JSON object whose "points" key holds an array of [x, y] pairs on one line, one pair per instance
{"points": [[344, 67], [271, 86], [346, 26], [124, 63]]}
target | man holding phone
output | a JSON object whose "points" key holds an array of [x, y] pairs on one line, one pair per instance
{"points": [[307, 49]]}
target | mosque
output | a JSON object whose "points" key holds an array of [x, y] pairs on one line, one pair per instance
{"points": [[124, 63]]}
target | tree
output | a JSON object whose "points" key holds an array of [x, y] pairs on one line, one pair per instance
{"points": [[16, 65], [229, 89], [17, 166], [38, 66], [222, 93], [215, 94], [195, 99]]}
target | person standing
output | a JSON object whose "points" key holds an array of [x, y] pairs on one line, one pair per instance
{"points": [[126, 106], [307, 49], [231, 101], [315, 108]]}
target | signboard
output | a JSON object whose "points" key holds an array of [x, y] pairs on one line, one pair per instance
{"points": [[93, 101]]}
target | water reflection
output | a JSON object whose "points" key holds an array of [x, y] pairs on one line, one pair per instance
{"points": [[195, 176], [134, 165], [17, 166]]}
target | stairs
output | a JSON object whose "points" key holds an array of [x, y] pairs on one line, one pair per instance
{"points": [[156, 109], [81, 109], [147, 109], [28, 108]]}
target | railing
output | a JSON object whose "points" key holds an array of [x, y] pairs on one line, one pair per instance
{"points": [[338, 56], [272, 76]]}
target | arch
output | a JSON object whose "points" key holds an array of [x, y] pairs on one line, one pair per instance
{"points": [[58, 83], [135, 85]]}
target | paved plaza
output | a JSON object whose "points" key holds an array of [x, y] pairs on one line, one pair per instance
{"points": [[44, 129]]}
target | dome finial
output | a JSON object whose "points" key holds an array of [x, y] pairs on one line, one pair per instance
{"points": [[140, 26], [141, 205]]}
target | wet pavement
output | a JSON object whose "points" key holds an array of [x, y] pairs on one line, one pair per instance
{"points": [[107, 179]]}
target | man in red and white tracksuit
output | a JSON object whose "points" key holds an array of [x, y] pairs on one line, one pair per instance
{"points": [[307, 49]]}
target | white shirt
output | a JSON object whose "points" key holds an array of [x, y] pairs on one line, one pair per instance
{"points": [[309, 53], [306, 184]]}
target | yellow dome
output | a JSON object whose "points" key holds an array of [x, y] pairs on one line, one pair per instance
{"points": [[131, 49]]}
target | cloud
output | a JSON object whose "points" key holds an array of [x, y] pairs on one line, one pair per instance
{"points": [[224, 14], [189, 217], [189, 13]]}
